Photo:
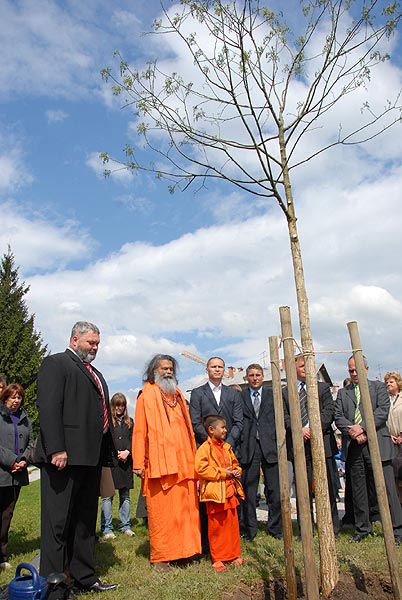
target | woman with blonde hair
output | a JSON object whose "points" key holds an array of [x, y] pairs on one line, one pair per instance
{"points": [[393, 381], [122, 427]]}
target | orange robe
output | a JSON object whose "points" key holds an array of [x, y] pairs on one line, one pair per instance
{"points": [[164, 445], [212, 460]]}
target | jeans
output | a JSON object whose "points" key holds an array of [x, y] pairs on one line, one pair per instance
{"points": [[124, 512]]}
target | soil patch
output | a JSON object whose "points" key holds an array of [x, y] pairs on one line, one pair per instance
{"points": [[362, 587]]}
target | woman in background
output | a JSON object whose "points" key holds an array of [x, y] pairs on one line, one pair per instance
{"points": [[393, 381], [16, 441], [123, 473]]}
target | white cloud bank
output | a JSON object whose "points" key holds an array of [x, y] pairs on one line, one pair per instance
{"points": [[220, 287]]}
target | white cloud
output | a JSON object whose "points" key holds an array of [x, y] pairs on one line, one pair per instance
{"points": [[56, 116], [134, 203], [39, 244], [14, 172], [221, 287], [61, 45]]}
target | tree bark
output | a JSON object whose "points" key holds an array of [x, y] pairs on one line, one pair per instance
{"points": [[328, 560]]}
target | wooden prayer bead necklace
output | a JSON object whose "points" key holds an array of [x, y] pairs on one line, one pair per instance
{"points": [[172, 403]]}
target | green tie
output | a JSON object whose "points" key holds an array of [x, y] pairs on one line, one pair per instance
{"points": [[358, 416]]}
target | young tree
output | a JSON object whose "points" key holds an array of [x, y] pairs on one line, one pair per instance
{"points": [[21, 348], [259, 92]]}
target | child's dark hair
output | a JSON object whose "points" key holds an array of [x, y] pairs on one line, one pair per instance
{"points": [[212, 420]]}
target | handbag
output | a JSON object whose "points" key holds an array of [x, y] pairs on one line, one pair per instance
{"points": [[106, 487]]}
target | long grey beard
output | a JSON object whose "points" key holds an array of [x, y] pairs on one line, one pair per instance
{"points": [[167, 384]]}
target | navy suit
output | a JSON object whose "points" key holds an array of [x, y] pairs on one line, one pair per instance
{"points": [[357, 456], [203, 403], [71, 419], [327, 408], [258, 451]]}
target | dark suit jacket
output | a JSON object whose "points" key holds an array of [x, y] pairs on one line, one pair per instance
{"points": [[71, 412], [203, 403], [345, 407], [264, 425], [327, 409]]}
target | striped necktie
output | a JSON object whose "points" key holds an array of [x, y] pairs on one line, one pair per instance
{"points": [[102, 393], [303, 403], [358, 416]]}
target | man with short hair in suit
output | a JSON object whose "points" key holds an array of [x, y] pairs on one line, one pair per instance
{"points": [[327, 408], [258, 451], [349, 418], [214, 398], [74, 442]]}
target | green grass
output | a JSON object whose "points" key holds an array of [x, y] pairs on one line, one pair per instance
{"points": [[126, 560]]}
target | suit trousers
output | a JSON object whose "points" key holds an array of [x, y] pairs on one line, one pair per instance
{"points": [[329, 463], [358, 462], [250, 480], [8, 499], [69, 505]]}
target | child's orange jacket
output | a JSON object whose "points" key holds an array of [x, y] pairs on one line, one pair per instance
{"points": [[212, 475]]}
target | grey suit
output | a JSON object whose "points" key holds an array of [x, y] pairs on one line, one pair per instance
{"points": [[203, 403], [357, 456], [259, 451]]}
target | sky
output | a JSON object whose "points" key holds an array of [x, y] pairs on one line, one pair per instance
{"points": [[204, 271]]}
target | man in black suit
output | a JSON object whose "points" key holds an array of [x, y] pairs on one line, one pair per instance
{"points": [[349, 418], [74, 442], [213, 398], [258, 451], [327, 408]]}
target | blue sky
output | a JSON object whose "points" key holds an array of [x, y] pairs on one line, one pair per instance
{"points": [[202, 272]]}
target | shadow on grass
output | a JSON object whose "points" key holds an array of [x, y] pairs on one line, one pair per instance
{"points": [[19, 542], [267, 558], [105, 555], [358, 576], [143, 549]]}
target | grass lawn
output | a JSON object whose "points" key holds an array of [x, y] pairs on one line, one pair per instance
{"points": [[126, 560]]}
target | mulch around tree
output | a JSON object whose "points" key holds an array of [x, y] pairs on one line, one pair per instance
{"points": [[362, 587]]}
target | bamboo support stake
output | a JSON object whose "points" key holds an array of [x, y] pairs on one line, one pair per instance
{"points": [[303, 500], [291, 584], [376, 461]]}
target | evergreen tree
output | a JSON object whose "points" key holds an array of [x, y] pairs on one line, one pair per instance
{"points": [[21, 348]]}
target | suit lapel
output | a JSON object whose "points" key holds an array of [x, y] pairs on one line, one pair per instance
{"points": [[84, 370], [247, 401], [210, 395], [264, 403]]}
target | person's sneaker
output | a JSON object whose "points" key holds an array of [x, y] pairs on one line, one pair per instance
{"points": [[5, 565], [109, 536], [129, 532]]}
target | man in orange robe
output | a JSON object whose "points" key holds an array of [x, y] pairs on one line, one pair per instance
{"points": [[163, 456]]}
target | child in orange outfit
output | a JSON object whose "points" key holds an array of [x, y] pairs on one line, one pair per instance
{"points": [[219, 473]]}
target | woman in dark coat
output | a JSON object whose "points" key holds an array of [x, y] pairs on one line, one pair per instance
{"points": [[16, 441], [123, 473]]}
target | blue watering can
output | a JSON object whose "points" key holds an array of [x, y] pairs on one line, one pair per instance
{"points": [[27, 586]]}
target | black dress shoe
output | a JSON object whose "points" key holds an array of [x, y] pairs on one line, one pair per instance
{"points": [[248, 538], [358, 537], [98, 586]]}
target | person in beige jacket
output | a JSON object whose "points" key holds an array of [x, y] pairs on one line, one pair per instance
{"points": [[393, 381]]}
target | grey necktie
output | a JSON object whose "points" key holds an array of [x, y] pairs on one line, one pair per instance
{"points": [[303, 403], [257, 402]]}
